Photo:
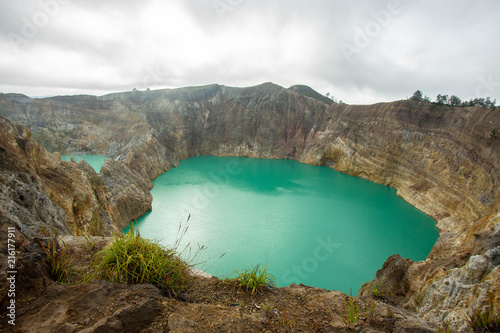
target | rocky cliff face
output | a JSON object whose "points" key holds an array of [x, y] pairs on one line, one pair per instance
{"points": [[443, 160], [39, 190]]}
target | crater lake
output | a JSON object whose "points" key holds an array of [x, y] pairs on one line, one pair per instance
{"points": [[308, 224]]}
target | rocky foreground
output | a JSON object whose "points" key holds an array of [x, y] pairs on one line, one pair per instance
{"points": [[209, 305], [443, 160]]}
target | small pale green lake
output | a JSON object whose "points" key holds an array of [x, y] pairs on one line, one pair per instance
{"points": [[95, 161], [311, 225]]}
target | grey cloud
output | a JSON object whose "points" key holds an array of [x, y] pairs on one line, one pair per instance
{"points": [[438, 47]]}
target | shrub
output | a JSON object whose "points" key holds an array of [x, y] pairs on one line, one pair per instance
{"points": [[132, 259]]}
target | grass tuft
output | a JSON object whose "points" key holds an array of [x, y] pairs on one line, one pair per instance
{"points": [[351, 310], [291, 324], [371, 311], [379, 289], [132, 259], [484, 321], [56, 258], [445, 327], [255, 278]]}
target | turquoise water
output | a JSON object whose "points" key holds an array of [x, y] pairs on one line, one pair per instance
{"points": [[95, 161], [312, 225]]}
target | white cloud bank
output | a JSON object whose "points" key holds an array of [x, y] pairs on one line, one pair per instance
{"points": [[360, 51]]}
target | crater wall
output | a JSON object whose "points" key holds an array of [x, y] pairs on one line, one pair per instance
{"points": [[443, 160]]}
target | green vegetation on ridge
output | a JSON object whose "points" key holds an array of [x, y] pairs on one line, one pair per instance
{"points": [[309, 92], [454, 100]]}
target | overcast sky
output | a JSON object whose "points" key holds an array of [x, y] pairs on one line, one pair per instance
{"points": [[359, 51]]}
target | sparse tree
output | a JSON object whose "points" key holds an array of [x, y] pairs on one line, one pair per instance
{"points": [[455, 101], [489, 103], [442, 99], [479, 102], [417, 96]]}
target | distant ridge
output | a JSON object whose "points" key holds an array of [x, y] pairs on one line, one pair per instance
{"points": [[310, 92]]}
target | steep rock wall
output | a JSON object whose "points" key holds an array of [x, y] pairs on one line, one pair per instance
{"points": [[39, 190], [441, 159]]}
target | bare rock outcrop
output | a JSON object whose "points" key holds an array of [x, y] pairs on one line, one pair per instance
{"points": [[39, 190], [116, 308]]}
